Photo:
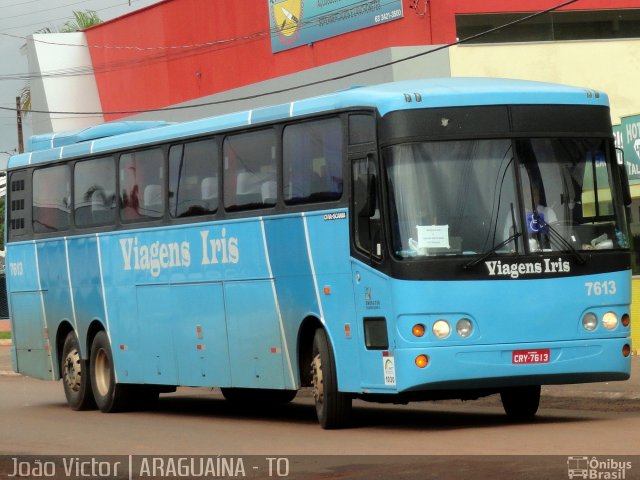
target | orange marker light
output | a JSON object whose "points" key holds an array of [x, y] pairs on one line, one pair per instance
{"points": [[626, 320], [327, 290], [422, 361], [626, 350], [418, 330]]}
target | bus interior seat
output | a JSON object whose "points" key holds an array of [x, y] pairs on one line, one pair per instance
{"points": [[153, 204], [247, 189], [269, 192], [100, 211], [209, 189]]}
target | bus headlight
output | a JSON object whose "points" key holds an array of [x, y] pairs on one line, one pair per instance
{"points": [[441, 329], [610, 320], [589, 321], [464, 327]]}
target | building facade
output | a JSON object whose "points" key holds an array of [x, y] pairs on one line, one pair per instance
{"points": [[184, 59]]}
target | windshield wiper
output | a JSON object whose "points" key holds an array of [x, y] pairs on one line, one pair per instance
{"points": [[563, 242], [490, 252]]}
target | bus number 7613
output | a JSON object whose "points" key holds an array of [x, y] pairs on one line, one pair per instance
{"points": [[606, 287]]}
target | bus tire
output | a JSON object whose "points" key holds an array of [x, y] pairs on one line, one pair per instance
{"points": [[333, 408], [75, 375], [109, 396], [521, 403]]}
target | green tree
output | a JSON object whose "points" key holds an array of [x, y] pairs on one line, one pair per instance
{"points": [[81, 21]]}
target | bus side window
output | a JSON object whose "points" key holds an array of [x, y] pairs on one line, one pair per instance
{"points": [[312, 157], [250, 170], [142, 185], [193, 179], [51, 199], [95, 192]]}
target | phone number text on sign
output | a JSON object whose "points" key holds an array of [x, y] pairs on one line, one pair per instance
{"points": [[383, 17]]}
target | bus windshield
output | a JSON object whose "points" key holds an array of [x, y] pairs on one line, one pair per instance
{"points": [[466, 197]]}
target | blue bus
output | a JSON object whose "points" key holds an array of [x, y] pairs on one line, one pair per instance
{"points": [[433, 239]]}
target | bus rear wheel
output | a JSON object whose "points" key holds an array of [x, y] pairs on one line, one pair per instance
{"points": [[75, 375], [521, 403], [333, 408], [109, 395]]}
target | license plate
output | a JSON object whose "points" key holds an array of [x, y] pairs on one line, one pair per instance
{"points": [[521, 357]]}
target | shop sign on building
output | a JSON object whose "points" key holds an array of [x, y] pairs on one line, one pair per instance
{"points": [[628, 138], [301, 22]]}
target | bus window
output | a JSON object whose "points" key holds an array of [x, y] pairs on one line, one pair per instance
{"points": [[51, 199], [142, 185], [193, 179], [366, 212], [312, 159], [250, 170], [95, 192]]}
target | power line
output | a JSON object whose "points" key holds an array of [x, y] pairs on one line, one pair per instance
{"points": [[6, 17], [314, 83], [68, 17], [19, 4]]}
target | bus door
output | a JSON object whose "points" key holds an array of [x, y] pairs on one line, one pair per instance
{"points": [[373, 303]]}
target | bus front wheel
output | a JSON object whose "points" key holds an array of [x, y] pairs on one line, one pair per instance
{"points": [[521, 403], [75, 376], [109, 395], [333, 408]]}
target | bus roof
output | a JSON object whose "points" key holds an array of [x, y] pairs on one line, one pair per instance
{"points": [[412, 94]]}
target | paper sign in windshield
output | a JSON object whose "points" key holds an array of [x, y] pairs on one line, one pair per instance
{"points": [[433, 236]]}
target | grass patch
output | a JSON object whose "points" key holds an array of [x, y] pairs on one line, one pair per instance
{"points": [[5, 335]]}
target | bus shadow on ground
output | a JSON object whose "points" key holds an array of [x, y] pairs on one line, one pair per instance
{"points": [[418, 416]]}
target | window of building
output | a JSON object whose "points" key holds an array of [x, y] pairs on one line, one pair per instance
{"points": [[51, 199], [95, 192], [312, 161], [250, 179], [142, 189], [553, 26], [193, 179]]}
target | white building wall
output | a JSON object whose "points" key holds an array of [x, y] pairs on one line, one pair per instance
{"points": [[65, 82]]}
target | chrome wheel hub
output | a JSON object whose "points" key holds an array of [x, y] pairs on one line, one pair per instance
{"points": [[72, 370], [318, 381]]}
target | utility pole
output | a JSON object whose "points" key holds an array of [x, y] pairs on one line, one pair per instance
{"points": [[19, 118]]}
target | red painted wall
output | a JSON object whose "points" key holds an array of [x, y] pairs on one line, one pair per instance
{"points": [[131, 79], [187, 66]]}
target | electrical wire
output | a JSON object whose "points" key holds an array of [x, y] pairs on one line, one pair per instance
{"points": [[68, 17], [308, 84]]}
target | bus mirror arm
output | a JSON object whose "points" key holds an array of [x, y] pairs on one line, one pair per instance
{"points": [[624, 177]]}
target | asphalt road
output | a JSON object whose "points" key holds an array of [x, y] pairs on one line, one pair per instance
{"points": [[441, 440], [465, 440], [35, 420]]}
